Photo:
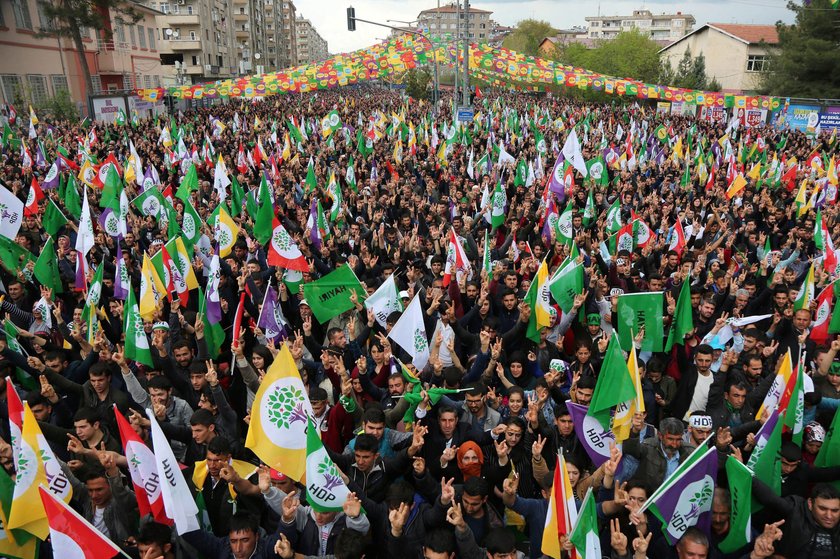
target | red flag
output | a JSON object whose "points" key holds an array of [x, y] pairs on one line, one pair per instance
{"points": [[478, 94], [35, 195], [241, 162], [678, 239], [168, 278], [73, 536], [456, 258], [789, 178], [819, 330], [237, 320], [710, 183]]}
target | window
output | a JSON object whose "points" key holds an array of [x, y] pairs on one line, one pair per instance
{"points": [[46, 23], [195, 59], [152, 38], [678, 22], [38, 87], [141, 35], [59, 83], [96, 82], [2, 19], [148, 81], [190, 10], [22, 17], [11, 87], [119, 33], [192, 36], [164, 7], [131, 31], [757, 63]]}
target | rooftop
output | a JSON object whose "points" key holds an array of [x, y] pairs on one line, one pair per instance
{"points": [[450, 9], [751, 34]]}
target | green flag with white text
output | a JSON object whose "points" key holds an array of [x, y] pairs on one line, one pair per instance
{"points": [[329, 296], [637, 311]]}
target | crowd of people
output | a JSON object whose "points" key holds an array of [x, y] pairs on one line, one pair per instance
{"points": [[468, 474]]}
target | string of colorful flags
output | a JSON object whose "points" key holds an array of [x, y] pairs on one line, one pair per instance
{"points": [[496, 66]]}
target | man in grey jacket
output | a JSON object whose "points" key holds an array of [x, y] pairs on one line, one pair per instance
{"points": [[105, 501], [159, 399]]}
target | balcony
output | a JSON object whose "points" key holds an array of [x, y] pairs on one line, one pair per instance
{"points": [[182, 45], [243, 33], [240, 17], [182, 19], [194, 70]]}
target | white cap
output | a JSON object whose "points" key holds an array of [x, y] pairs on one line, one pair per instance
{"points": [[303, 302], [403, 294]]}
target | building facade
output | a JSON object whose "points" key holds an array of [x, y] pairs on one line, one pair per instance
{"points": [[311, 47], [443, 22], [660, 27], [287, 34], [735, 54], [33, 68]]}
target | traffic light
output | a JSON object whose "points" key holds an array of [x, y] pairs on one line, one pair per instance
{"points": [[351, 18]]}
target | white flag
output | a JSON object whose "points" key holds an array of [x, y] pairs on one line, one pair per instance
{"points": [[504, 156], [137, 162], [410, 333], [11, 213], [84, 238], [470, 170], [572, 153], [385, 301], [220, 179], [177, 500]]}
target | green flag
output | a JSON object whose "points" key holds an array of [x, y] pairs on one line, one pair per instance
{"points": [[614, 216], [46, 268], [614, 385], [214, 334], [637, 311], [486, 264], [14, 256], [311, 182], [740, 517], [188, 184], [8, 135], [794, 414], [521, 173], [136, 342], [94, 293], [499, 201], [533, 331], [237, 196], [191, 224], [683, 322], [72, 201], [12, 337], [53, 219], [150, 202], [330, 296], [111, 190], [263, 223], [829, 454], [584, 535], [596, 169], [589, 212], [566, 284], [24, 545]]}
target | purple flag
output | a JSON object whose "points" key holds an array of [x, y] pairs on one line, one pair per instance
{"points": [[110, 222], [121, 281], [595, 439], [40, 158], [314, 230], [52, 178], [271, 320], [80, 272], [685, 499], [550, 219], [557, 184]]}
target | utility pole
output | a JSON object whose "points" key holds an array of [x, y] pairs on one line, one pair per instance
{"points": [[456, 101], [437, 78], [466, 100]]}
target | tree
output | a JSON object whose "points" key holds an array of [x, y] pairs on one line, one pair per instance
{"points": [[690, 72], [417, 83], [67, 18], [632, 54], [806, 63], [528, 35]]}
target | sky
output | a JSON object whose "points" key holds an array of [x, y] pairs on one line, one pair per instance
{"points": [[330, 16]]}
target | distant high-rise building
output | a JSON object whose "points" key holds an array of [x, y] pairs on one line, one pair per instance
{"points": [[311, 47]]}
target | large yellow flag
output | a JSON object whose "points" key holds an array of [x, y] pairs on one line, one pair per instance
{"points": [[226, 231], [151, 289], [36, 465], [277, 432]]}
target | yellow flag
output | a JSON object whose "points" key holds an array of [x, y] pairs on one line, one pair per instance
{"points": [[32, 116], [398, 150], [442, 153], [277, 432], [774, 395], [543, 297], [755, 172], [287, 148], [183, 256], [736, 187], [812, 202], [151, 289], [226, 232], [832, 171], [244, 469], [36, 465], [86, 174]]}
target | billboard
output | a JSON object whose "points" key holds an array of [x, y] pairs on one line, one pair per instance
{"points": [[802, 117], [830, 118]]}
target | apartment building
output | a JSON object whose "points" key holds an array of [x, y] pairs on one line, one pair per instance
{"points": [[34, 68], [660, 27], [311, 47], [443, 21]]}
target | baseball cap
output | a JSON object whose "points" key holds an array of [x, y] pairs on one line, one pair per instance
{"points": [[593, 319]]}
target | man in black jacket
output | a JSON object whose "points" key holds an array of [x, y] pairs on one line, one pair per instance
{"points": [[812, 526]]}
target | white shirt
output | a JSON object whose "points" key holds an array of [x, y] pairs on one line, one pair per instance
{"points": [[99, 522], [701, 394]]}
